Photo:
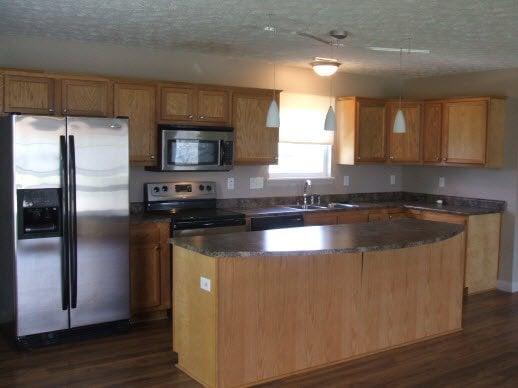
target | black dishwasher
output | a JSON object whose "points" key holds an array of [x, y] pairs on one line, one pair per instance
{"points": [[276, 222]]}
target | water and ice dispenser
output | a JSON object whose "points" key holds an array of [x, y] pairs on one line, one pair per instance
{"points": [[39, 213]]}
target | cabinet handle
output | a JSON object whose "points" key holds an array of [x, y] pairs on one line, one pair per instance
{"points": [[190, 116], [202, 117]]}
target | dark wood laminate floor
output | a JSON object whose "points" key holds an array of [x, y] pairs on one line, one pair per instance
{"points": [[484, 354]]}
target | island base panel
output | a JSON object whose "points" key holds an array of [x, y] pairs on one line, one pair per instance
{"points": [[272, 317]]}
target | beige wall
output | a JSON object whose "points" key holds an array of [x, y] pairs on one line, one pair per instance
{"points": [[189, 67], [476, 182]]}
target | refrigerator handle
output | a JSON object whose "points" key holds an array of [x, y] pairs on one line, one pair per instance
{"points": [[73, 220], [65, 290]]}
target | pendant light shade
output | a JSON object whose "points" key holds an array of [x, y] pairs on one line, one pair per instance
{"points": [[330, 123], [399, 122], [272, 118]]}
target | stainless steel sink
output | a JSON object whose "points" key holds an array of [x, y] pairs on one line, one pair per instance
{"points": [[307, 207], [337, 205]]}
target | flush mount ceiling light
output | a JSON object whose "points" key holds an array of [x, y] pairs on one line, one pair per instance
{"points": [[325, 67]]}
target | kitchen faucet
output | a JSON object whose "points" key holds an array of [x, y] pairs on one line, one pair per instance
{"points": [[307, 187]]}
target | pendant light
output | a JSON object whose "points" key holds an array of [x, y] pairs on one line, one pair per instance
{"points": [[330, 121], [399, 121], [272, 117]]}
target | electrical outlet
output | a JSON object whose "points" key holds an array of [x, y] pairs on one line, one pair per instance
{"points": [[205, 284], [230, 183], [256, 183], [442, 181], [392, 179], [346, 180]]}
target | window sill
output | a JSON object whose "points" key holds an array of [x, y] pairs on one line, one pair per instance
{"points": [[274, 180]]}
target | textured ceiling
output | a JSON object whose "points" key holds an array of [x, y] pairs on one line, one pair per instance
{"points": [[463, 35]]}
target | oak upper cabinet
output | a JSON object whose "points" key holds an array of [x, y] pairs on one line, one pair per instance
{"points": [[473, 132], [405, 147], [28, 94], [432, 132], [150, 266], [137, 101], [254, 142], [177, 103], [361, 130], [80, 97], [213, 106], [195, 104]]}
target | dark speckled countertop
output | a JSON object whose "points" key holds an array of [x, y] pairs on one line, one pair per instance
{"points": [[316, 240]]}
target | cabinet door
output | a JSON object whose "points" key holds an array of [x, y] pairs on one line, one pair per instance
{"points": [[464, 132], [254, 142], [432, 132], [320, 219], [137, 102], [145, 277], [370, 131], [378, 216], [85, 98], [405, 147], [213, 106], [352, 217], [177, 103], [31, 95]]}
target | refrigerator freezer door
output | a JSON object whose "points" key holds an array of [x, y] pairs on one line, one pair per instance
{"points": [[39, 283], [100, 150]]}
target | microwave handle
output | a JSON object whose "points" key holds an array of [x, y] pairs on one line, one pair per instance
{"points": [[220, 153]]}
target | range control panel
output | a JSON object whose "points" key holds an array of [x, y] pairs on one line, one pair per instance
{"points": [[179, 190]]}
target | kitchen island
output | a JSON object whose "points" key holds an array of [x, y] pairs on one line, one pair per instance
{"points": [[253, 307]]}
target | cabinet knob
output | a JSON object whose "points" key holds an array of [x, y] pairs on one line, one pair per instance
{"points": [[391, 157], [190, 116], [65, 110], [444, 159], [202, 117], [51, 110], [152, 156]]}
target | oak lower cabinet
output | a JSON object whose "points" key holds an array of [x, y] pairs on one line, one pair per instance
{"points": [[29, 94], [334, 218], [482, 246], [254, 142], [405, 147], [150, 267], [360, 130], [137, 101], [80, 97]]}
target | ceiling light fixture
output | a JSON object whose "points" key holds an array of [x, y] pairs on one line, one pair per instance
{"points": [[325, 67], [272, 117]]}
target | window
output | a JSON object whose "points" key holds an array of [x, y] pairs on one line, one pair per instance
{"points": [[305, 149]]}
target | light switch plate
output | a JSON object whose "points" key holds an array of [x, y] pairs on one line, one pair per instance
{"points": [[230, 183], [346, 180], [205, 284], [392, 179], [442, 181]]}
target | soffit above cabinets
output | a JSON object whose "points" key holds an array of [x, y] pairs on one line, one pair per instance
{"points": [[462, 35]]}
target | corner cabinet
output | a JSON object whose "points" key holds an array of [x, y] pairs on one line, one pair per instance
{"points": [[361, 130], [405, 147], [137, 101], [150, 267], [254, 142], [29, 94]]}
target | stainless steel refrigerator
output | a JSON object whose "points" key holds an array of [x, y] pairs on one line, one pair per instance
{"points": [[65, 208]]}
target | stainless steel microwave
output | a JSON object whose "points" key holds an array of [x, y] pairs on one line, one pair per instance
{"points": [[196, 148]]}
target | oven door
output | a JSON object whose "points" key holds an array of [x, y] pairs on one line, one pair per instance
{"points": [[193, 150]]}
